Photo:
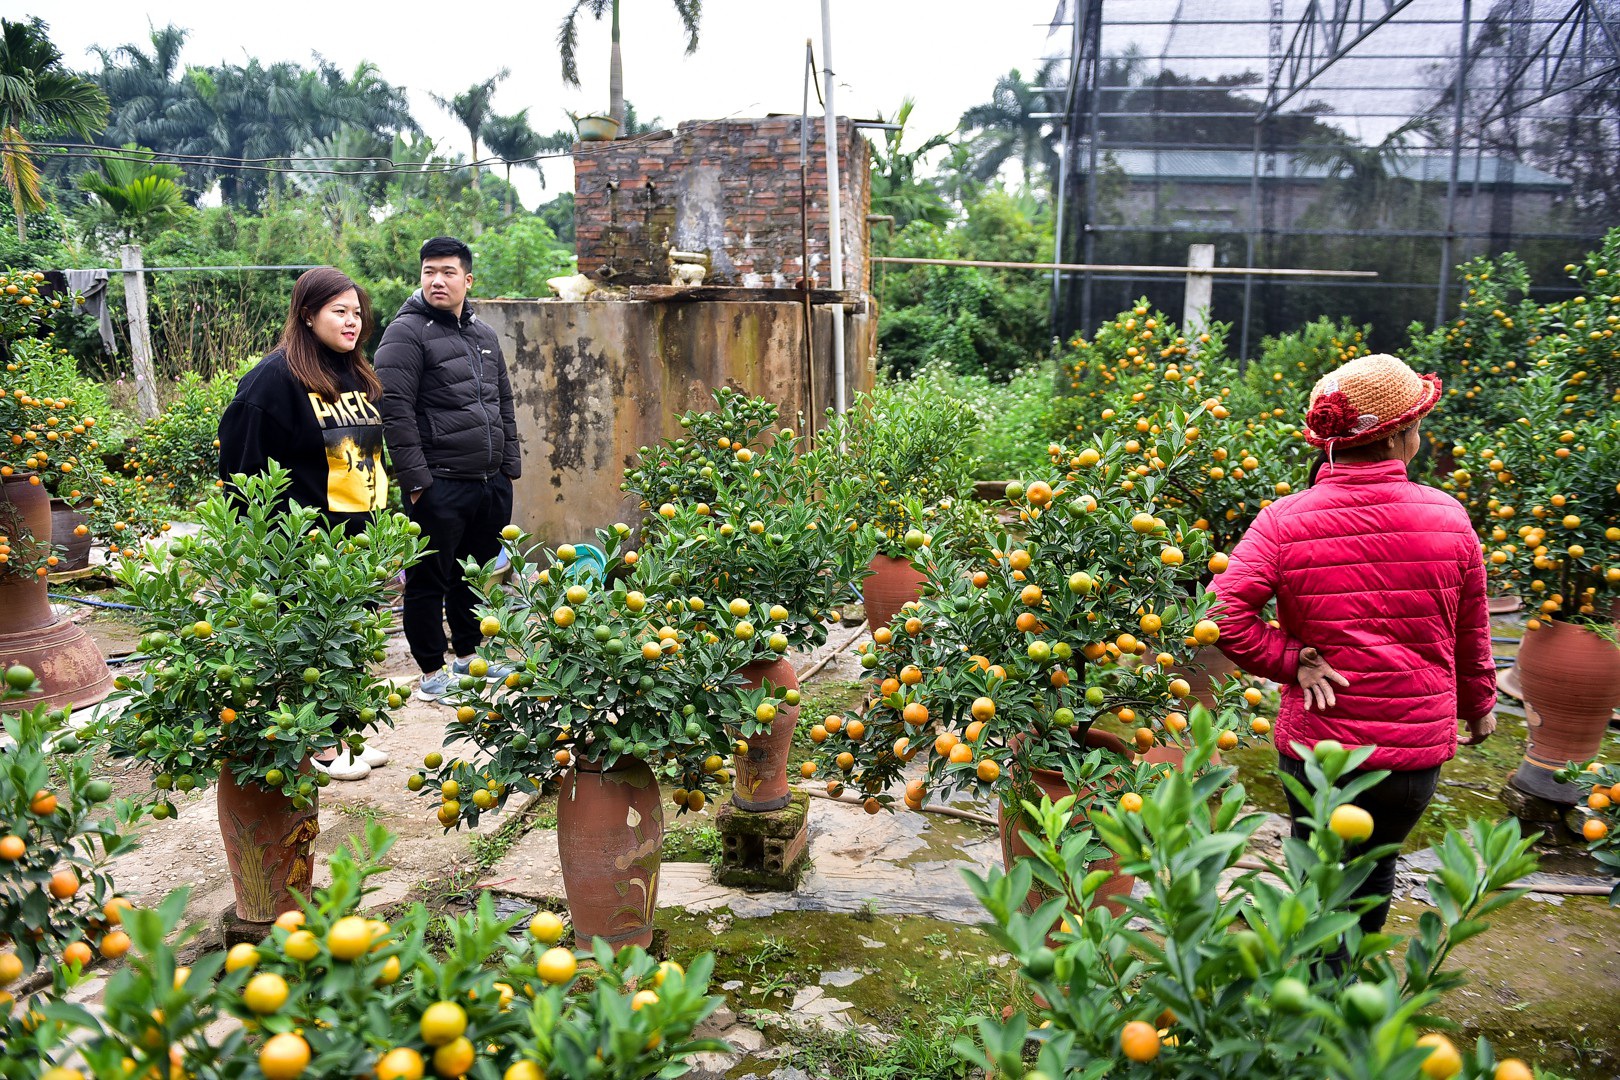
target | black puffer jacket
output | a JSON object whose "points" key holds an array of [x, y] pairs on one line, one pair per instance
{"points": [[447, 403]]}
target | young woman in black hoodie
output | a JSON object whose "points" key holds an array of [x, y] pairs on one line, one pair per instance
{"points": [[310, 406]]}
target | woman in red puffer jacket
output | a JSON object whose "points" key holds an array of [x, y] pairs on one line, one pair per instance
{"points": [[1382, 637]]}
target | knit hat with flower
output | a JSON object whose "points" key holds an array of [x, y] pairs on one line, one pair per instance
{"points": [[1368, 399]]}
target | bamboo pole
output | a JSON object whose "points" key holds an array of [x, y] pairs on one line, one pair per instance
{"points": [[1219, 271]]}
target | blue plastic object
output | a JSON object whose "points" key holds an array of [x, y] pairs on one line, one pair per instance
{"points": [[589, 561]]}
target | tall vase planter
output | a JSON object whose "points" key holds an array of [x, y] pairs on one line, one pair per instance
{"points": [[65, 523], [1208, 664], [893, 584], [269, 845], [1053, 786], [69, 665], [761, 783], [1571, 681], [610, 835]]}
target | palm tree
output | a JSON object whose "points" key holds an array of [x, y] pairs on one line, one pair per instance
{"points": [[690, 11], [1367, 181], [471, 107], [135, 194], [895, 187], [511, 139], [253, 112], [1007, 128], [153, 103], [37, 92]]}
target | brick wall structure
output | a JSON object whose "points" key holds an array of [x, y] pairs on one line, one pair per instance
{"points": [[728, 188]]}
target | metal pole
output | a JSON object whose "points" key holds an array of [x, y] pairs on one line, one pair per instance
{"points": [[1459, 92], [804, 250], [1057, 230], [835, 223], [1127, 268], [140, 335], [1094, 32], [1248, 247]]}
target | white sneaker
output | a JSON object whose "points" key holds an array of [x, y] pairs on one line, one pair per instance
{"points": [[374, 757], [344, 767]]}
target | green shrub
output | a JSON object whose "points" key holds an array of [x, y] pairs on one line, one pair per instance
{"points": [[176, 453], [1272, 979], [1016, 418]]}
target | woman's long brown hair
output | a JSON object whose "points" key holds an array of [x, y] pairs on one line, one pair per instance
{"points": [[312, 363]]}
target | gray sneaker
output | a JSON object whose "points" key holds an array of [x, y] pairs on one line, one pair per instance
{"points": [[496, 672], [434, 686]]}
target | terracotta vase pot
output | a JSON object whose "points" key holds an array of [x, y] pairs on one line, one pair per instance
{"points": [[75, 549], [893, 584], [1053, 785], [1505, 604], [25, 509], [762, 778], [1571, 681], [68, 663], [270, 846], [1208, 664], [610, 836]]}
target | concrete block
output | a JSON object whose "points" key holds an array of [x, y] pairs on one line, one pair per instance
{"points": [[763, 850]]}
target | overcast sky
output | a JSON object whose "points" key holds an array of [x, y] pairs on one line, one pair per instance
{"points": [[945, 53]]}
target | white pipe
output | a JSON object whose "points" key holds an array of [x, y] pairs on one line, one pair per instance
{"points": [[835, 222]]}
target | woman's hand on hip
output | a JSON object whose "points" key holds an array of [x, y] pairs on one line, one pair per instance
{"points": [[1479, 730], [1316, 678]]}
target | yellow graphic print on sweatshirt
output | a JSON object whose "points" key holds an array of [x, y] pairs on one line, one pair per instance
{"points": [[351, 427]]}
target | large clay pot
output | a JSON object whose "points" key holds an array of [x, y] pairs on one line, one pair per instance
{"points": [[25, 510], [1055, 787], [892, 584], [67, 662], [1571, 681], [75, 549], [610, 835], [762, 778], [1208, 664], [269, 844]]}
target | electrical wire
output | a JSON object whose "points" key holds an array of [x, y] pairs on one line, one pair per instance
{"points": [[90, 152]]}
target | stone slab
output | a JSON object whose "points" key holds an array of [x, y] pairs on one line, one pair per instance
{"points": [[890, 864]]}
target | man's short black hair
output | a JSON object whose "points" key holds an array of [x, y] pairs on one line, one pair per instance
{"points": [[448, 245]]}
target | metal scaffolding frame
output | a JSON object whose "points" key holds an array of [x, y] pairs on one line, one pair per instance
{"points": [[1474, 72]]}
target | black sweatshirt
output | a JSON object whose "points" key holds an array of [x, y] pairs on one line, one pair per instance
{"points": [[332, 449]]}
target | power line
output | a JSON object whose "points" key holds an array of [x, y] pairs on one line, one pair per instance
{"points": [[90, 152]]}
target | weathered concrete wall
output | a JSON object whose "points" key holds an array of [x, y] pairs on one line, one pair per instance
{"points": [[726, 187], [596, 380]]}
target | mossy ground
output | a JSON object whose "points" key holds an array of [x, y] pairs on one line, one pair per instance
{"points": [[919, 979], [1544, 984]]}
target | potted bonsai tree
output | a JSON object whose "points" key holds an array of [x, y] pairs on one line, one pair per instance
{"points": [[1117, 992], [45, 443], [1556, 542], [747, 523], [905, 455], [611, 680], [1001, 671], [1247, 449], [259, 634]]}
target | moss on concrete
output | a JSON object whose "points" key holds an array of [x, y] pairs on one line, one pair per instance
{"points": [[910, 969]]}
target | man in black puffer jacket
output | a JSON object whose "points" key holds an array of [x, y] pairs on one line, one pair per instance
{"points": [[451, 432]]}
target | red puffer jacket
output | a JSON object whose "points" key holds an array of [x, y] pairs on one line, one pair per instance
{"points": [[1385, 579]]}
